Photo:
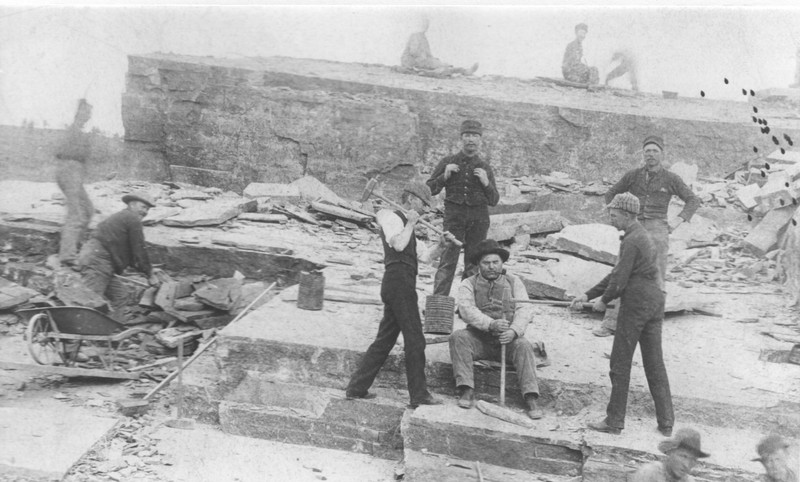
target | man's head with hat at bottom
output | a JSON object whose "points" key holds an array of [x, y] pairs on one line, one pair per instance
{"points": [[416, 196], [682, 451], [489, 256], [138, 202], [653, 153], [623, 210], [773, 453]]}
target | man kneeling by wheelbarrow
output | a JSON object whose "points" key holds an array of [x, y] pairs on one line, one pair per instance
{"points": [[118, 242], [495, 326]]}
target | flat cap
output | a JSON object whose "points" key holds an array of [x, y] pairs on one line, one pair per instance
{"points": [[471, 127], [626, 202], [654, 140]]}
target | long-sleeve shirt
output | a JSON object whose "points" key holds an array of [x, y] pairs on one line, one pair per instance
{"points": [[573, 55], [75, 145], [391, 225], [474, 317], [121, 234], [464, 187], [637, 259], [655, 190]]}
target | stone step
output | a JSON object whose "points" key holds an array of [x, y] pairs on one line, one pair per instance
{"points": [[267, 341], [556, 448], [306, 415], [426, 466]]}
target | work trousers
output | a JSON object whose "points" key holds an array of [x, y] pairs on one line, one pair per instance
{"points": [[69, 176], [469, 224], [466, 346], [582, 74], [659, 233], [400, 315], [640, 320], [97, 274]]}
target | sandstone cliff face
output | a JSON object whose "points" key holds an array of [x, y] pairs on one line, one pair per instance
{"points": [[232, 122]]}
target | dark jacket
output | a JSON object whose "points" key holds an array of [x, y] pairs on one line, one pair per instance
{"points": [[636, 264], [464, 187], [655, 193], [121, 234]]}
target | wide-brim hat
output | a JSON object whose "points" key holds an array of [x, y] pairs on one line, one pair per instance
{"points": [[420, 190], [686, 438], [769, 445], [138, 196], [488, 246]]}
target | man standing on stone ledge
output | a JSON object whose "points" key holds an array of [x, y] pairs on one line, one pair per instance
{"points": [[72, 154], [399, 295], [654, 186], [470, 189], [634, 280]]}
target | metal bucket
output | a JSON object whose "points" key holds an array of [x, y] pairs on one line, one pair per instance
{"points": [[439, 314], [311, 293]]}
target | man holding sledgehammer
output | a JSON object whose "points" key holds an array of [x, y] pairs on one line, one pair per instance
{"points": [[470, 189], [399, 295]]}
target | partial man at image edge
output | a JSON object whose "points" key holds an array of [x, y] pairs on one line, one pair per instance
{"points": [[682, 452], [653, 185], [399, 295], [634, 280], [780, 465], [470, 188], [486, 304]]}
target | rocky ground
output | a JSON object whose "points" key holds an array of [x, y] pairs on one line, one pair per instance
{"points": [[746, 292]]}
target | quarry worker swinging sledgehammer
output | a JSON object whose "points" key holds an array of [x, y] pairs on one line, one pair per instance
{"points": [[369, 191]]}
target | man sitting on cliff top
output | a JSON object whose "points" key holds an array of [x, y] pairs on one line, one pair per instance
{"points": [[417, 57]]}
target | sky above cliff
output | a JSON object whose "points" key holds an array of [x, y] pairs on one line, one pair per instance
{"points": [[52, 55]]}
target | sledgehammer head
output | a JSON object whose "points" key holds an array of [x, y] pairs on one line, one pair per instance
{"points": [[368, 189]]}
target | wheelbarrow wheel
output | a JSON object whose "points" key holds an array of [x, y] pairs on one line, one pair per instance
{"points": [[43, 349]]}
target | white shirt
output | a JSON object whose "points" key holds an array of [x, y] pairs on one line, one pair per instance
{"points": [[391, 224]]}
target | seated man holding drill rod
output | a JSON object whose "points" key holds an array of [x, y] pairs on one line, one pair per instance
{"points": [[494, 320]]}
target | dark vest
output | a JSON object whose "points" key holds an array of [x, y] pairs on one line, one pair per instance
{"points": [[407, 256]]}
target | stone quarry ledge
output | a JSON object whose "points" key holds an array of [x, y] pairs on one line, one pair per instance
{"points": [[322, 348], [312, 74]]}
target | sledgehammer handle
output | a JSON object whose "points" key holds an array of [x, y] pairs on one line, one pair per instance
{"points": [[421, 221]]}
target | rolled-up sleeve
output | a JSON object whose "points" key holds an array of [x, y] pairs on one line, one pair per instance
{"points": [[468, 310]]}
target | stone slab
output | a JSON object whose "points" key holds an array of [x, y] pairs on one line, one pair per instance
{"points": [[434, 427], [46, 443], [211, 213], [426, 467], [199, 176], [560, 279], [334, 339], [789, 157], [506, 226], [597, 242], [263, 218], [274, 191], [764, 236], [312, 189], [69, 371], [207, 454]]}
